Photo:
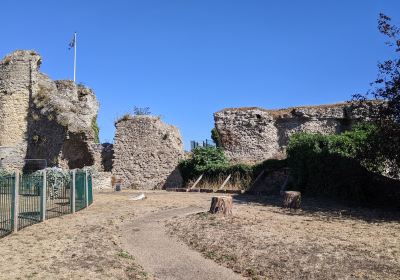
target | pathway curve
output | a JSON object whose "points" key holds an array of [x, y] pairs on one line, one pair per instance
{"points": [[164, 256]]}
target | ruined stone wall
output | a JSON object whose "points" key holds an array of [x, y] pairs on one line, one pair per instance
{"points": [[43, 119], [17, 76], [146, 153], [252, 135]]}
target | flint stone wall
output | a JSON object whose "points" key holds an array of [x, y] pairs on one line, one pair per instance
{"points": [[41, 118], [146, 153], [252, 135]]}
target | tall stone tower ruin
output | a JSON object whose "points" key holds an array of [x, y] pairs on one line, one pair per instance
{"points": [[17, 81], [42, 119]]}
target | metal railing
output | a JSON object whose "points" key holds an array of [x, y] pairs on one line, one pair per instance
{"points": [[6, 196], [27, 199]]}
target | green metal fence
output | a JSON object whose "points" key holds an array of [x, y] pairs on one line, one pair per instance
{"points": [[90, 189], [7, 184], [80, 193], [28, 199], [58, 197], [30, 187]]}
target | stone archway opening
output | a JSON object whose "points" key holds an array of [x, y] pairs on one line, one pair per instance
{"points": [[75, 152]]}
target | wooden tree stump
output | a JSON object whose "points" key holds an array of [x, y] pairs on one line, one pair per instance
{"points": [[291, 199], [221, 204]]}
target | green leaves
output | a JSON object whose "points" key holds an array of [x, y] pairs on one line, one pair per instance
{"points": [[339, 166]]}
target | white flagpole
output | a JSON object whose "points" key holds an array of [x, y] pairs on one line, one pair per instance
{"points": [[75, 57]]}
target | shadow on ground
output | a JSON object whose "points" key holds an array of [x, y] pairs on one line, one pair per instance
{"points": [[323, 208]]}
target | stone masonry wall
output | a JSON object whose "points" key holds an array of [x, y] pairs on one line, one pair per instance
{"points": [[43, 119], [17, 76], [146, 153], [252, 135]]}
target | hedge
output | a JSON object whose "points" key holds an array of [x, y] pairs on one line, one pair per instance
{"points": [[212, 163], [338, 166]]}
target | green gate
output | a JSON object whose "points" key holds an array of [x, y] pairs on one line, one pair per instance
{"points": [[80, 194]]}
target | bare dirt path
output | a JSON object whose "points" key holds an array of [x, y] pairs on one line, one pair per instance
{"points": [[165, 257]]}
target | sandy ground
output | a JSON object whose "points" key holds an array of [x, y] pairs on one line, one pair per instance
{"points": [[88, 244], [322, 241], [85, 245], [261, 241]]}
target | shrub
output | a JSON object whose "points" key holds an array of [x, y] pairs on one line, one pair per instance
{"points": [[96, 130], [339, 166], [201, 160], [216, 137], [214, 165]]}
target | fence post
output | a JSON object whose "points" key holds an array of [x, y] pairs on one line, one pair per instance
{"points": [[15, 202], [43, 198], [73, 190], [86, 189]]}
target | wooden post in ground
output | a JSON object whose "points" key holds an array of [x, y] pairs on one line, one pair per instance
{"points": [[15, 202], [292, 199], [197, 182], [225, 182], [43, 198], [73, 190], [222, 205]]}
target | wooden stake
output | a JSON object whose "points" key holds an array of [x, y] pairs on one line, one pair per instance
{"points": [[225, 182]]}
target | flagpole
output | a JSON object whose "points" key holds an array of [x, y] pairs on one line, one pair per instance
{"points": [[75, 57]]}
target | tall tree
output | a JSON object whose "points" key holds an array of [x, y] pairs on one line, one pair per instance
{"points": [[386, 143]]}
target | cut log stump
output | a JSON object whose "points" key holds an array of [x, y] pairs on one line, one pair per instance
{"points": [[222, 205], [291, 199]]}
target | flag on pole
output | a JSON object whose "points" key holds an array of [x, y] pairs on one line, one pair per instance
{"points": [[72, 43]]}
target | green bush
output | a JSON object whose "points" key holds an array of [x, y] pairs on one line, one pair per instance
{"points": [[216, 137], [213, 163], [339, 166], [202, 160], [96, 130]]}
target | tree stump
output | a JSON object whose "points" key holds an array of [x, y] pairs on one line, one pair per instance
{"points": [[221, 204], [291, 200]]}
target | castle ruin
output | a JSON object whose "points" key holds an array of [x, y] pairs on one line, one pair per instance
{"points": [[45, 120], [147, 152], [251, 135], [55, 122]]}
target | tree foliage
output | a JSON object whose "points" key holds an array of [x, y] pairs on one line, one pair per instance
{"points": [[213, 163], [215, 137], [340, 166], [201, 160], [387, 88]]}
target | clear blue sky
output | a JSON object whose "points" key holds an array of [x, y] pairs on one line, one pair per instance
{"points": [[187, 59]]}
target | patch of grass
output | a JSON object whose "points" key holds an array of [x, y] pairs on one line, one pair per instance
{"points": [[125, 255], [228, 258], [203, 215], [33, 274], [210, 254]]}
